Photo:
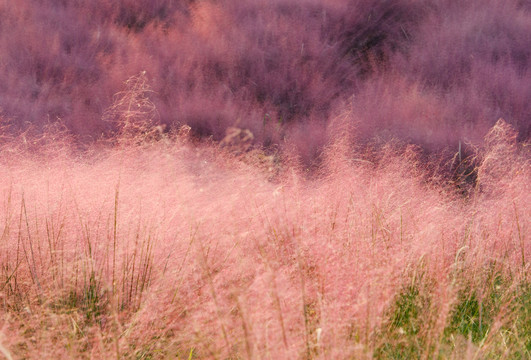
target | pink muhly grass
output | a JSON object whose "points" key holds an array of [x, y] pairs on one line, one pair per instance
{"points": [[429, 72], [272, 179], [153, 242]]}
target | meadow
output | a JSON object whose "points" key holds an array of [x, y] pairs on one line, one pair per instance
{"points": [[309, 179]]}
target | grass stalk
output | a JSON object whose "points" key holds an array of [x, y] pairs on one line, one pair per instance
{"points": [[520, 236]]}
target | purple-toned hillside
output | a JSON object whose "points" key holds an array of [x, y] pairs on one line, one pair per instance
{"points": [[429, 72]]}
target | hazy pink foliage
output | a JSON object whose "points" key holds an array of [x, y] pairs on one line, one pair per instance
{"points": [[273, 67]]}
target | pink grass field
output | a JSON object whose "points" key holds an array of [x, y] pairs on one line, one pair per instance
{"points": [[169, 249], [252, 179]]}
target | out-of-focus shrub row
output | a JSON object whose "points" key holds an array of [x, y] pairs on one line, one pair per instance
{"points": [[430, 72]]}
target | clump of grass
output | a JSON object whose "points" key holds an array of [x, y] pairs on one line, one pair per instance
{"points": [[133, 113], [495, 325]]}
